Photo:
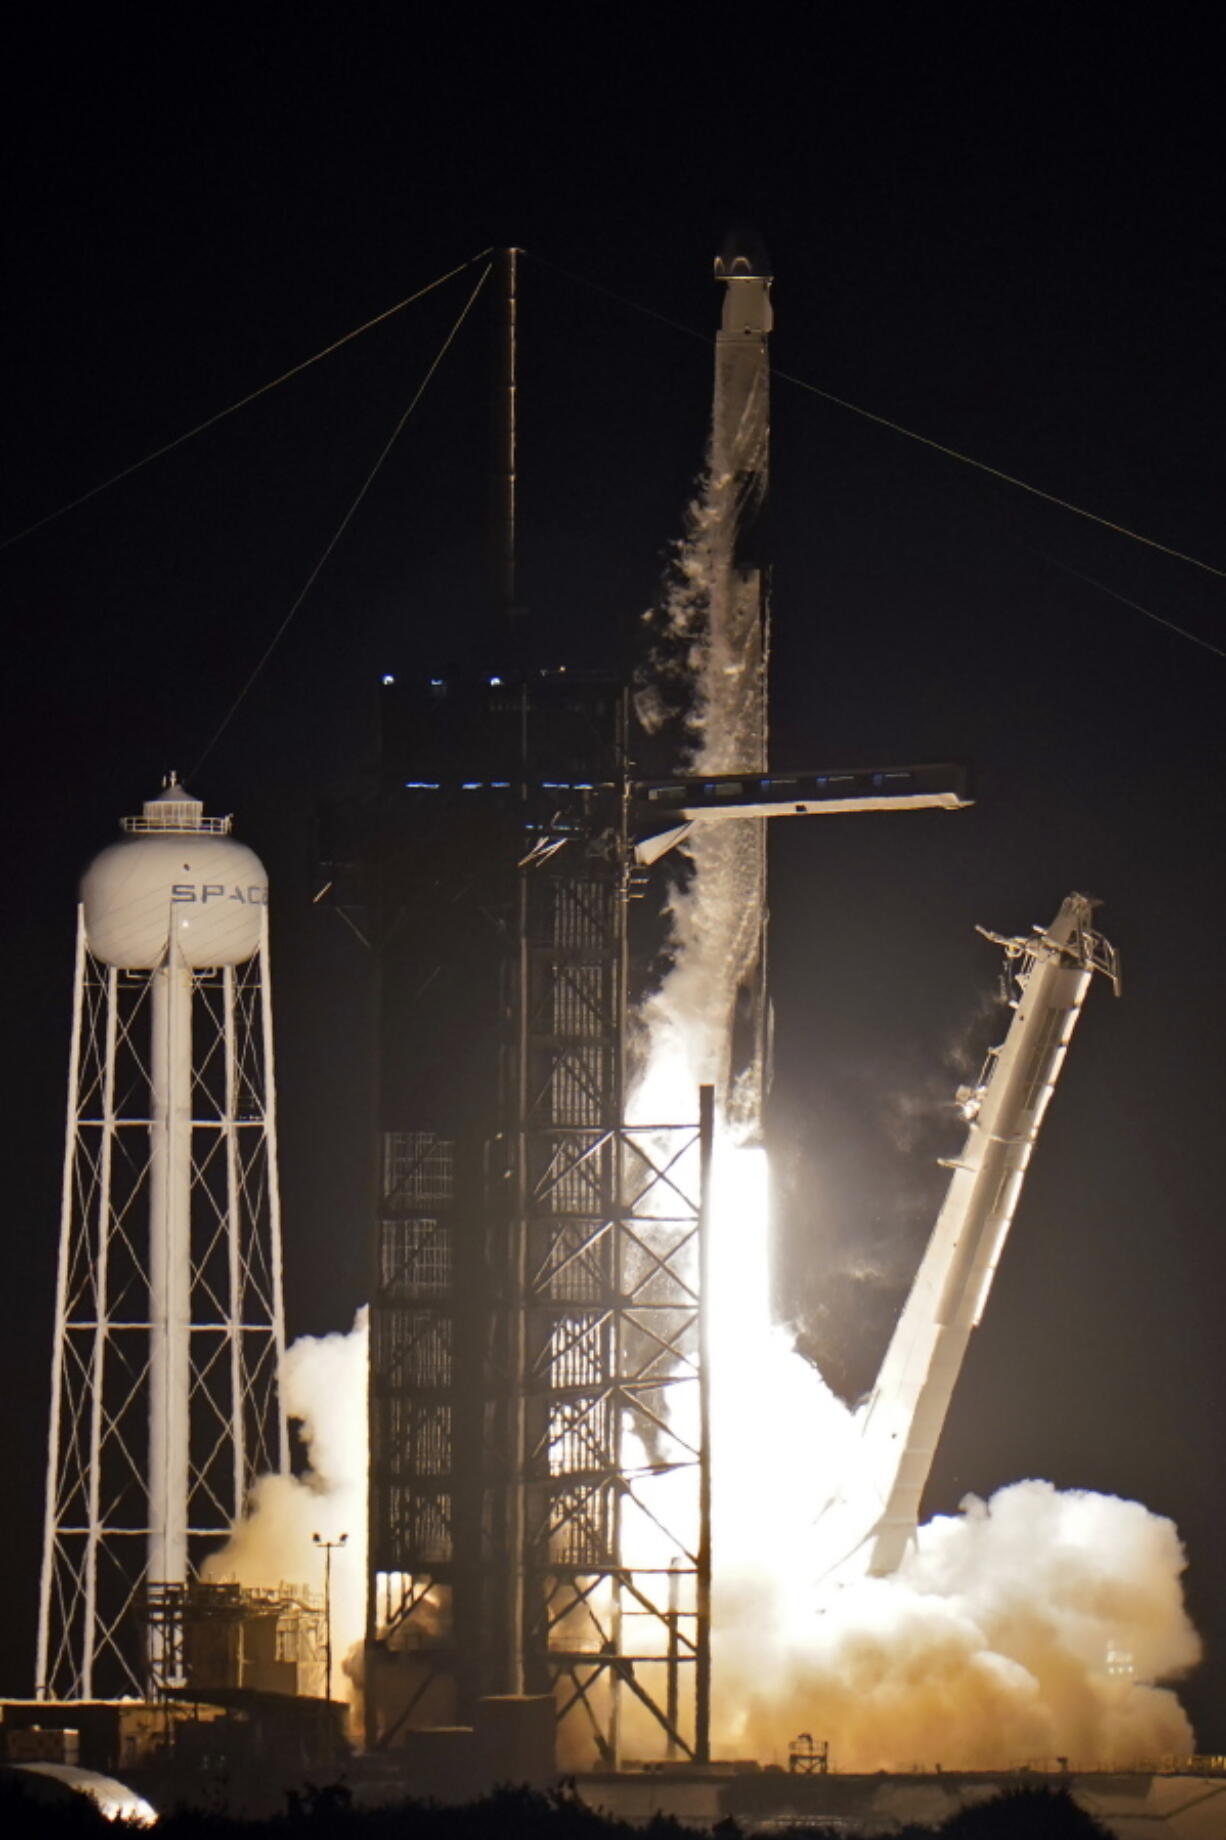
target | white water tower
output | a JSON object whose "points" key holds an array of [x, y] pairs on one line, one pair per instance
{"points": [[169, 1322]]}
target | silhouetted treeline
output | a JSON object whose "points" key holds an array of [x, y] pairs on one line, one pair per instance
{"points": [[1026, 1814]]}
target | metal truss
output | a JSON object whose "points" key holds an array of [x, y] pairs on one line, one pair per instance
{"points": [[415, 1455], [615, 1565], [608, 1544], [551, 1536], [539, 1508], [93, 1634], [218, 1628]]}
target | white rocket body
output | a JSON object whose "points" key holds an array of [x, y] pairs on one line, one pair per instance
{"points": [[731, 858], [876, 1512]]}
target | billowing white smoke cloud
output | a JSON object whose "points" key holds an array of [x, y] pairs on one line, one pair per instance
{"points": [[324, 1386], [1025, 1628]]}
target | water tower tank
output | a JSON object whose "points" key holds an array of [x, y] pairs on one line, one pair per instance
{"points": [[174, 875]]}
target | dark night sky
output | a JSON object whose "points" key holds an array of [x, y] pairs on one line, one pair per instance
{"points": [[1007, 236]]}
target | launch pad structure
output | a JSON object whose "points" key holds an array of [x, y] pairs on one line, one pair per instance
{"points": [[537, 1381], [537, 1308], [539, 1510], [242, 1637]]}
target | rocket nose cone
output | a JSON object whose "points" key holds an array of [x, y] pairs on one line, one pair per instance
{"points": [[743, 257]]}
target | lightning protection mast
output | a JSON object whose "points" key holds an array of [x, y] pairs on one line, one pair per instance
{"points": [[169, 1324]]}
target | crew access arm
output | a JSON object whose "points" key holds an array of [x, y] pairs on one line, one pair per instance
{"points": [[1051, 973]]}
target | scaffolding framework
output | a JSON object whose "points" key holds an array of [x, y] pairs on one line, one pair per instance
{"points": [[93, 1635], [605, 1546], [542, 1527], [416, 1460], [231, 1636]]}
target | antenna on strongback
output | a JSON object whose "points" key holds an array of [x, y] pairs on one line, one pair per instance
{"points": [[510, 612]]}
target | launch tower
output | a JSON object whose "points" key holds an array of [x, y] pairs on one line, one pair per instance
{"points": [[536, 1314], [539, 1485], [169, 1325]]}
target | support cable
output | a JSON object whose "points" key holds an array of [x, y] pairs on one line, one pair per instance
{"points": [[1009, 479], [221, 415], [344, 524], [1091, 581], [882, 421]]}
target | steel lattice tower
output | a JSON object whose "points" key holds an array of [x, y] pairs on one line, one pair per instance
{"points": [[536, 1518], [169, 1323], [604, 1307]]}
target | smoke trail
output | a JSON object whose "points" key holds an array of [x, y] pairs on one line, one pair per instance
{"points": [[703, 1022], [324, 1388]]}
